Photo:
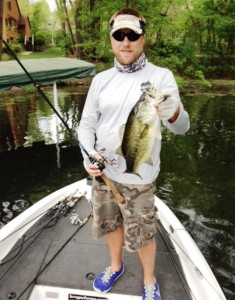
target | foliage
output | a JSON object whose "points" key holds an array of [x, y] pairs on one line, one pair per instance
{"points": [[39, 15], [180, 82], [186, 36], [63, 41], [200, 76], [17, 48], [5, 57], [40, 39], [40, 19]]}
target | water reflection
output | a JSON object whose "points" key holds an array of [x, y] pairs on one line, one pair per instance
{"points": [[217, 245], [29, 119], [196, 179], [33, 145], [8, 208]]}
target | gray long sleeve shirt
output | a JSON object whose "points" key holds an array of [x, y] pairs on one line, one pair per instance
{"points": [[110, 99]]}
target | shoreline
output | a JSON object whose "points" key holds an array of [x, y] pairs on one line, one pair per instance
{"points": [[191, 87]]}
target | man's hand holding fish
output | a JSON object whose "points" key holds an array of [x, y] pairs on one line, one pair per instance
{"points": [[166, 104]]}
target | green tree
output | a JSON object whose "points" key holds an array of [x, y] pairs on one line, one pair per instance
{"points": [[187, 36], [213, 25], [39, 15], [24, 6], [40, 19]]}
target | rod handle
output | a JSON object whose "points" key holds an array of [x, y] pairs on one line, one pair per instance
{"points": [[112, 188]]}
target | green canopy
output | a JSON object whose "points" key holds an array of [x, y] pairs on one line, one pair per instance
{"points": [[43, 71]]}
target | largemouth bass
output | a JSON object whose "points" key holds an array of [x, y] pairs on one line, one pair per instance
{"points": [[141, 129]]}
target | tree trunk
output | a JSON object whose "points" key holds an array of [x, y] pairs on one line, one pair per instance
{"points": [[92, 4], [230, 47], [77, 10], [67, 21], [1, 27], [61, 13]]}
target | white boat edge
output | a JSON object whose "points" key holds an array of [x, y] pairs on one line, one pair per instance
{"points": [[48, 292], [200, 278]]}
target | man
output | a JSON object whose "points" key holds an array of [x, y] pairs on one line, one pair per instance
{"points": [[134, 89]]}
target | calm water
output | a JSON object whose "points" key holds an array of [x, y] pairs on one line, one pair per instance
{"points": [[197, 174]]}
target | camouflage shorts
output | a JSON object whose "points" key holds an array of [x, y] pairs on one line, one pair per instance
{"points": [[137, 213]]}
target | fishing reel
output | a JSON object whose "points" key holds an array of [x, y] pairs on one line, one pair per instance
{"points": [[100, 163]]}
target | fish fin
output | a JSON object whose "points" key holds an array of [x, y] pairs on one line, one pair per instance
{"points": [[158, 133], [149, 161], [119, 151], [129, 172], [121, 135], [122, 131], [137, 174]]}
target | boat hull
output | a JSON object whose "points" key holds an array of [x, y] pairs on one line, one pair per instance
{"points": [[70, 274]]}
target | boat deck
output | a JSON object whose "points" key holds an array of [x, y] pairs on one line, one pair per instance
{"points": [[80, 260]]}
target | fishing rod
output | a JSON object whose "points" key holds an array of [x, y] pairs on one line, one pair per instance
{"points": [[178, 269], [81, 224], [37, 86], [62, 207], [99, 162]]}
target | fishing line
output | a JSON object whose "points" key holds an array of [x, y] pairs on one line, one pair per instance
{"points": [[60, 206], [55, 255], [71, 132], [177, 268], [20, 246], [99, 162], [35, 236], [37, 86], [171, 237], [24, 225]]}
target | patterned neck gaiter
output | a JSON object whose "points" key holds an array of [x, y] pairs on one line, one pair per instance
{"points": [[135, 66]]}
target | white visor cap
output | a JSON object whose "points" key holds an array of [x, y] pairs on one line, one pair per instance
{"points": [[127, 21]]}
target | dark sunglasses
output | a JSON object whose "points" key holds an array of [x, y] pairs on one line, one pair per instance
{"points": [[131, 35]]}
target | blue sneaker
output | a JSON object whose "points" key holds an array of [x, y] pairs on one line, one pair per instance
{"points": [[106, 279], [151, 292]]}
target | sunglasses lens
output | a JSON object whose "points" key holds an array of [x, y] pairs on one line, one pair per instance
{"points": [[120, 36], [132, 36]]}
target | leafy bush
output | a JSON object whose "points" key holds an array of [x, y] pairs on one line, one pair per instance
{"points": [[59, 36], [103, 66], [65, 45], [203, 82], [5, 57], [63, 41], [40, 39], [180, 82], [189, 71], [199, 75], [174, 63], [16, 48]]}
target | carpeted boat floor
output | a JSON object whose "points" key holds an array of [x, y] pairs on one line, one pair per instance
{"points": [[47, 259]]}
